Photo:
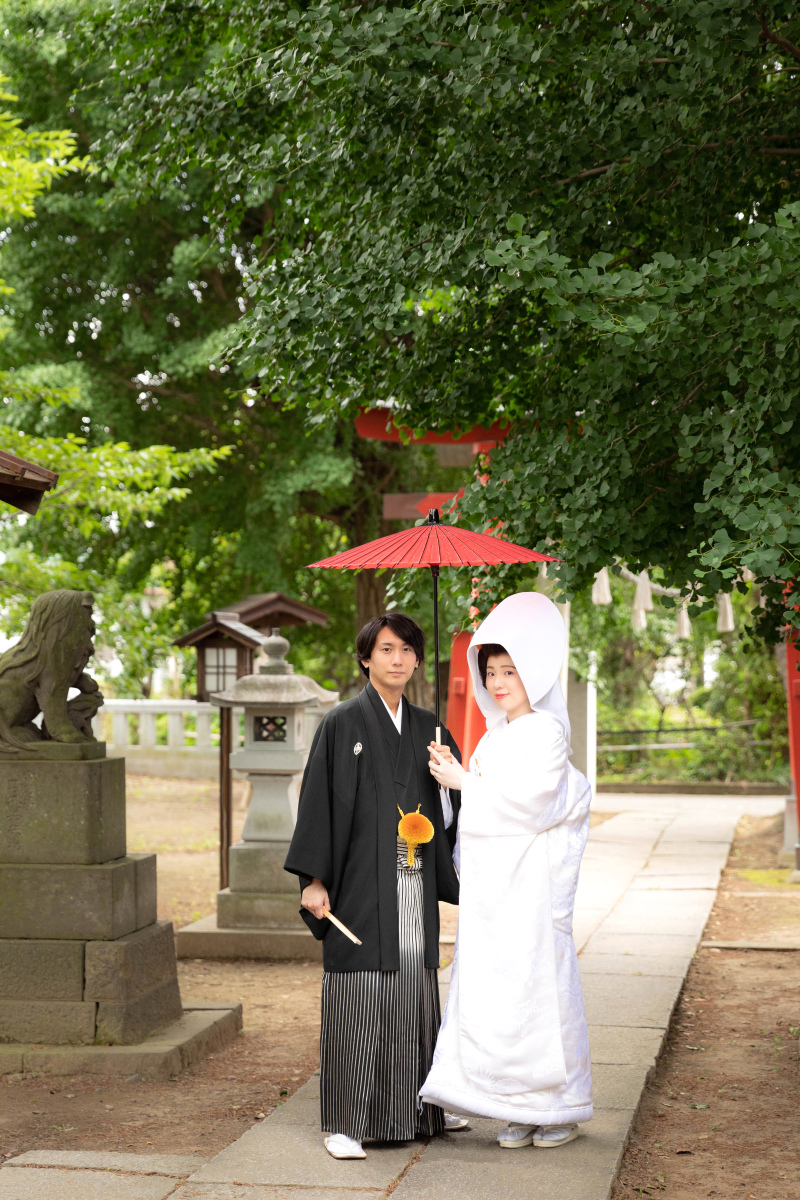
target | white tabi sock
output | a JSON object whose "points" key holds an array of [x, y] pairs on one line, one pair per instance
{"points": [[555, 1135], [516, 1136], [452, 1123]]}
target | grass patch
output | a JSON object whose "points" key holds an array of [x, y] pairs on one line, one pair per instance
{"points": [[772, 877]]}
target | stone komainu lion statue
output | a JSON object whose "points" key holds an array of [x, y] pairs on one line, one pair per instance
{"points": [[37, 674]]}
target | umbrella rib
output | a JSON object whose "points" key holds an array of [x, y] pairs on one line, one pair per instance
{"points": [[418, 545]]}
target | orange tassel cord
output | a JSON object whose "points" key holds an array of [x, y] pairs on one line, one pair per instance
{"points": [[414, 829]]}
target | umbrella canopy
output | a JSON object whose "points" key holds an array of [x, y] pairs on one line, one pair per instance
{"points": [[434, 545]]}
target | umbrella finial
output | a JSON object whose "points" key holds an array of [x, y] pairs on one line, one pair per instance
{"points": [[433, 516]]}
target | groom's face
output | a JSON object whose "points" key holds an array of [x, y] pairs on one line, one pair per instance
{"points": [[392, 662]]}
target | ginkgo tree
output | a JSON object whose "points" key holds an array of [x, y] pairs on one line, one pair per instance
{"points": [[579, 215], [116, 333]]}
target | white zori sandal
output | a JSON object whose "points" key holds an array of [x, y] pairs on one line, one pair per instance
{"points": [[339, 1145], [546, 1137], [452, 1123], [514, 1137], [550, 1136]]}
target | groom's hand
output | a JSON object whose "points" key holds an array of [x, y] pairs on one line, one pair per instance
{"points": [[315, 898]]}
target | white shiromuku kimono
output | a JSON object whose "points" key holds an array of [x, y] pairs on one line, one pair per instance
{"points": [[514, 1043]]}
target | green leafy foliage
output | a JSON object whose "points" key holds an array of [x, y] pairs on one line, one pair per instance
{"points": [[30, 160], [116, 341], [85, 537], [707, 327], [638, 326]]}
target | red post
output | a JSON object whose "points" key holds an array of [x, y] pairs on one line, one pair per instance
{"points": [[465, 720], [793, 705]]}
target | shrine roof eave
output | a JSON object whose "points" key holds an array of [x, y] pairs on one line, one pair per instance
{"points": [[276, 608], [23, 483], [226, 624]]}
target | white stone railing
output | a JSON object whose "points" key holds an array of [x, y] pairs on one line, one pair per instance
{"points": [[202, 737], [192, 736]]}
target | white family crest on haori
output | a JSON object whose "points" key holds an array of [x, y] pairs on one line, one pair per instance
{"points": [[357, 748], [514, 1043]]}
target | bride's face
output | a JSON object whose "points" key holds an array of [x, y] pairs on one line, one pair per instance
{"points": [[505, 686]]}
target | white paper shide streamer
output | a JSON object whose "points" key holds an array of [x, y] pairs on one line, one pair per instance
{"points": [[725, 622], [601, 588], [683, 626]]}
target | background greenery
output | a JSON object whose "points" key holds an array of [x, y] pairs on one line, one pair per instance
{"points": [[652, 680], [640, 322], [115, 335], [580, 217]]}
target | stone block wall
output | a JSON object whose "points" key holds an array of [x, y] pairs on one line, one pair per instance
{"points": [[83, 958]]}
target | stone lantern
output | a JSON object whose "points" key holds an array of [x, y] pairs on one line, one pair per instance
{"points": [[257, 915]]}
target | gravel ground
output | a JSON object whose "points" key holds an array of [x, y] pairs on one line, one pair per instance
{"points": [[720, 1117], [209, 1106]]}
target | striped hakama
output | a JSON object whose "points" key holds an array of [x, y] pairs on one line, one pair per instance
{"points": [[378, 1034]]}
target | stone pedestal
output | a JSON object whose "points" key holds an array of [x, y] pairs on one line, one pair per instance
{"points": [[261, 894], [83, 959]]}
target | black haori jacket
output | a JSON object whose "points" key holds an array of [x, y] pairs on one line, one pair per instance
{"points": [[359, 770]]}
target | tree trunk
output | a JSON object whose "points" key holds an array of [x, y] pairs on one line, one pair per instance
{"points": [[419, 690], [370, 597]]}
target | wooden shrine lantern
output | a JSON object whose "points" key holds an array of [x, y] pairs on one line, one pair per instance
{"points": [[22, 483], [231, 637]]}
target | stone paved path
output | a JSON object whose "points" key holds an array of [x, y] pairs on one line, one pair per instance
{"points": [[648, 882]]}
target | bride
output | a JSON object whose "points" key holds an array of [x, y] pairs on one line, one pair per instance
{"points": [[513, 1043]]}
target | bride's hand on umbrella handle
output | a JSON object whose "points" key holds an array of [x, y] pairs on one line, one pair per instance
{"points": [[448, 774], [443, 751]]}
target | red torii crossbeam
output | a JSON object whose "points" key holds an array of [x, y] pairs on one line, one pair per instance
{"points": [[376, 424]]}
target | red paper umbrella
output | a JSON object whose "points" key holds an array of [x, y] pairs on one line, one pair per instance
{"points": [[434, 545]]}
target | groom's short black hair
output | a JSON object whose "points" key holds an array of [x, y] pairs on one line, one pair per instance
{"points": [[400, 625]]}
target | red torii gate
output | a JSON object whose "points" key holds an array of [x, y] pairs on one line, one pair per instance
{"points": [[464, 719], [376, 424], [793, 706]]}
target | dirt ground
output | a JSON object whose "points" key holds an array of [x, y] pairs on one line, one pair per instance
{"points": [[720, 1117], [178, 819], [212, 1104]]}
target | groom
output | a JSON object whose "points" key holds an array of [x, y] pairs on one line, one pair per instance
{"points": [[380, 1000]]}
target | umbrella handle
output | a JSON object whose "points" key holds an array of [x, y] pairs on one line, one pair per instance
{"points": [[435, 576]]}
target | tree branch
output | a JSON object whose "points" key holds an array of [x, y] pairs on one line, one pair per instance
{"points": [[687, 400], [662, 462], [658, 588], [775, 38], [650, 497], [589, 173]]}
